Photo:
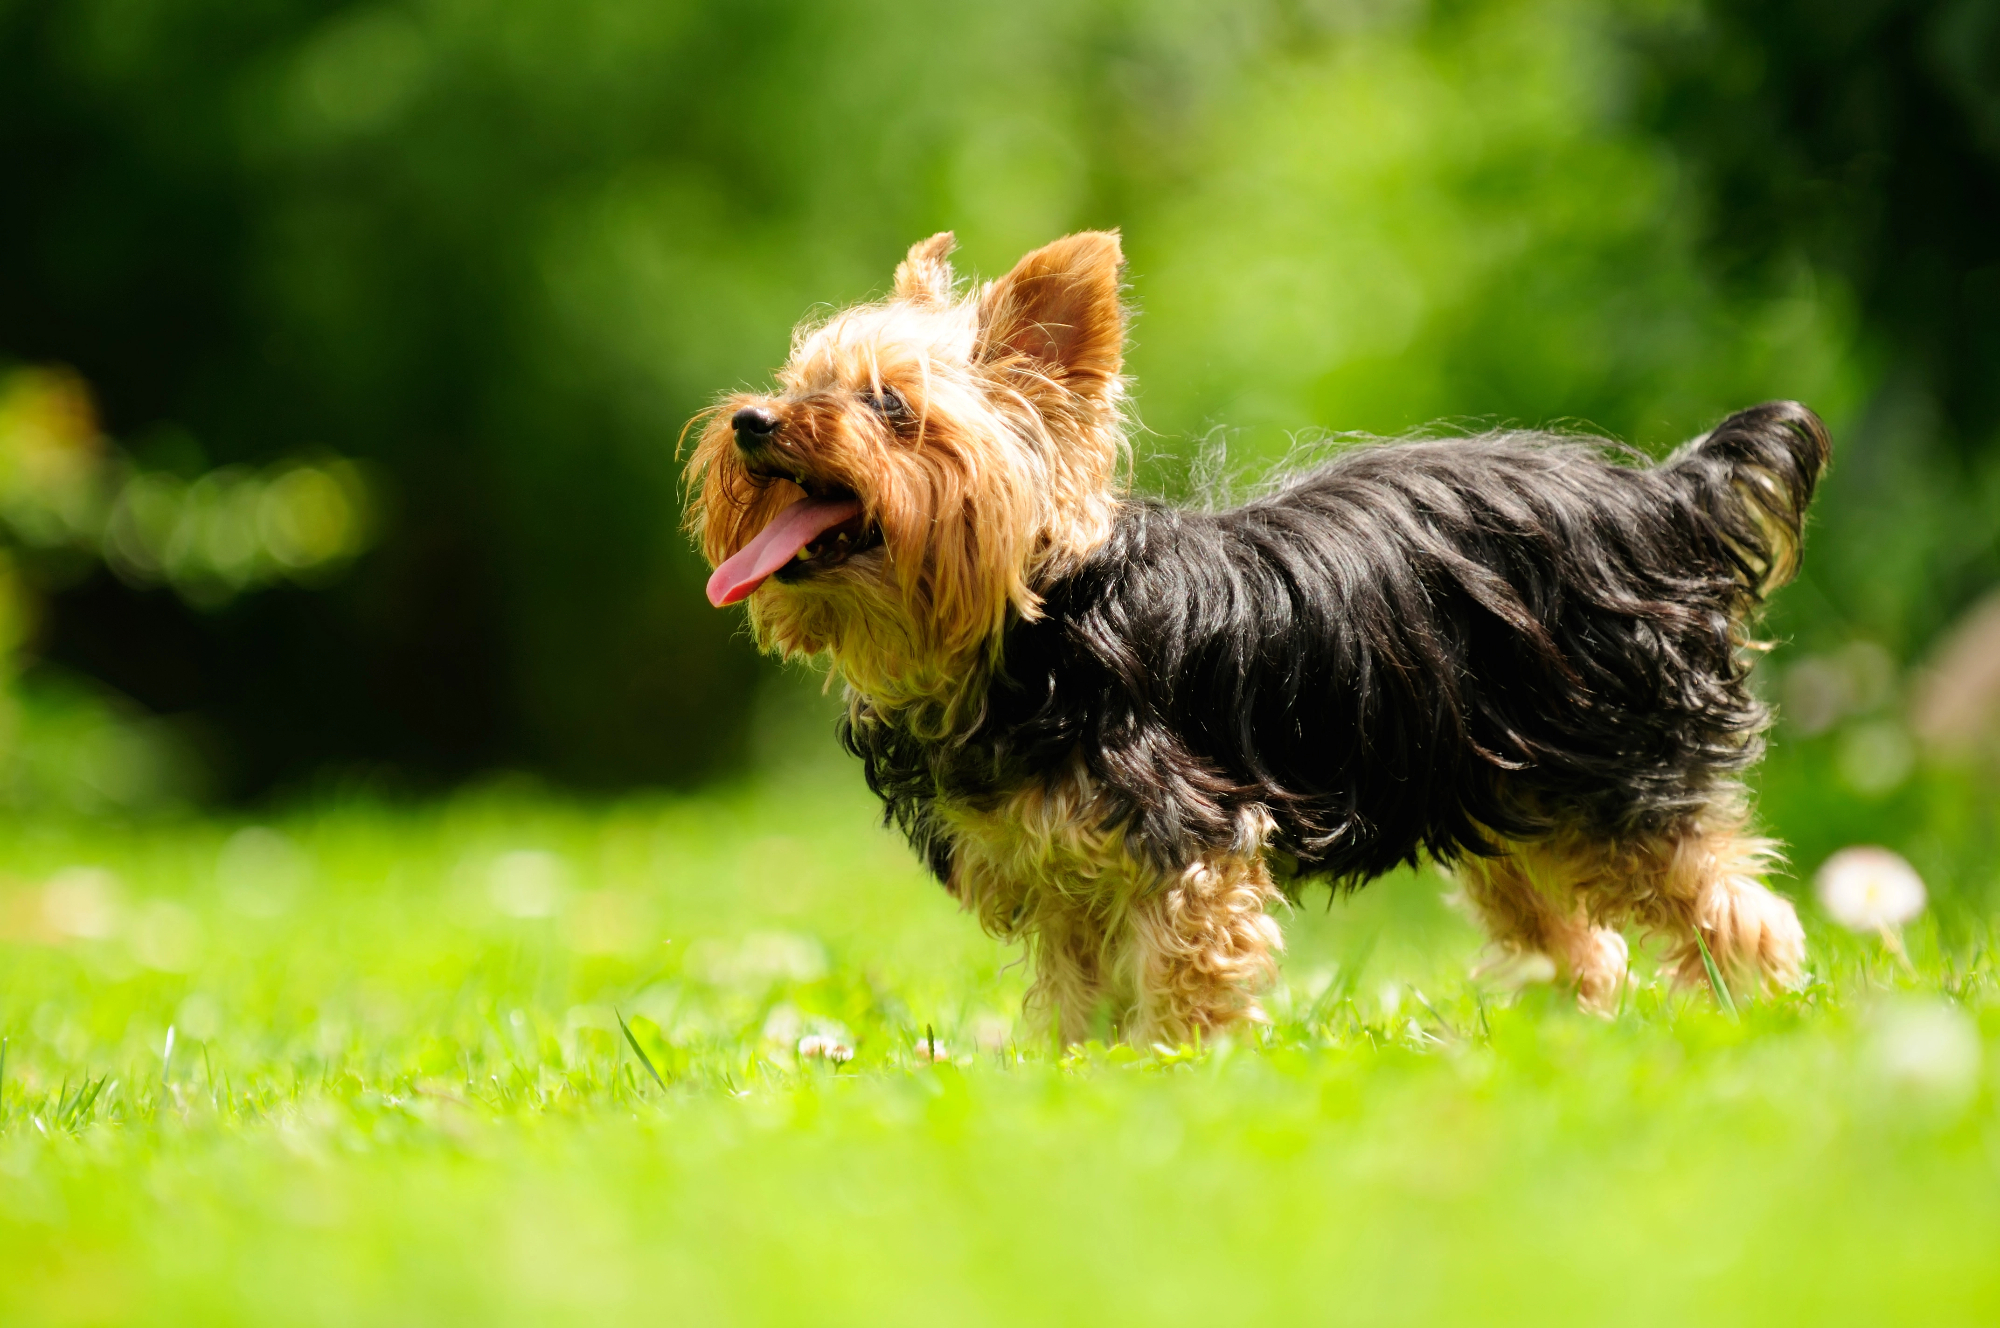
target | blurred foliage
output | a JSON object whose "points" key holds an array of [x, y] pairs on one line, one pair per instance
{"points": [[1862, 136], [68, 499], [502, 249], [1859, 140], [65, 491]]}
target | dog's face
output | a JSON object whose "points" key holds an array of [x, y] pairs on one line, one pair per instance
{"points": [[925, 464]]}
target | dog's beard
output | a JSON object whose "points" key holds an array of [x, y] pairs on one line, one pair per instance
{"points": [[859, 623]]}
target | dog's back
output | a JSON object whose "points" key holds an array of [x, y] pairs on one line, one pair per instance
{"points": [[1416, 647]]}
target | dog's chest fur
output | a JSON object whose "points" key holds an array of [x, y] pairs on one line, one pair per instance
{"points": [[1052, 836]]}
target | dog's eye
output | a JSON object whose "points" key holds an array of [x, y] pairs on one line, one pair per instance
{"points": [[888, 403]]}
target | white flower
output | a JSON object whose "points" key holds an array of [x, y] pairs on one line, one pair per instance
{"points": [[1870, 889], [830, 1048]]}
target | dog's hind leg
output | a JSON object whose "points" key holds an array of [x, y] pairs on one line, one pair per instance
{"points": [[1706, 880], [1202, 944], [1528, 900]]}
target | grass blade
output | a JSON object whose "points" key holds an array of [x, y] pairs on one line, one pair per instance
{"points": [[1346, 978], [75, 1117], [1721, 988], [638, 1050]]}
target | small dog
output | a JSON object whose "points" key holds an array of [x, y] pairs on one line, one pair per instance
{"points": [[1121, 731]]}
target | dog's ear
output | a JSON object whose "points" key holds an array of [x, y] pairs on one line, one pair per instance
{"points": [[925, 277], [1059, 308]]}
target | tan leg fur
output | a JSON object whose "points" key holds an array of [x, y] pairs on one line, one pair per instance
{"points": [[1116, 947], [1202, 947], [1566, 896], [1528, 901]]}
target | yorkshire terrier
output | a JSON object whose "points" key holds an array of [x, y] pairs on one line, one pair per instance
{"points": [[1122, 731]]}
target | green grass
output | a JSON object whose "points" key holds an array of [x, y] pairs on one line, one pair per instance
{"points": [[399, 1093]]}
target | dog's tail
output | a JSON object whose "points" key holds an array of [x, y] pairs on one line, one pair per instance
{"points": [[1752, 477]]}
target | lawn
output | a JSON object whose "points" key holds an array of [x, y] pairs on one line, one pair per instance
{"points": [[397, 1091]]}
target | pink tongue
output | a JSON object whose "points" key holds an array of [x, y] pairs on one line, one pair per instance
{"points": [[789, 531]]}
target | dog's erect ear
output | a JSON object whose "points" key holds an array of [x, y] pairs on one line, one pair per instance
{"points": [[925, 276], [1059, 308]]}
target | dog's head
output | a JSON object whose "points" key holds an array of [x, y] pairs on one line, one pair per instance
{"points": [[925, 464]]}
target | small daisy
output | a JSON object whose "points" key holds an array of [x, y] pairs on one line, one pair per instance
{"points": [[1871, 889], [830, 1049], [1867, 889]]}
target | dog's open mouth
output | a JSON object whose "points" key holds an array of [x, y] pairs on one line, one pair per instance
{"points": [[832, 546], [821, 530]]}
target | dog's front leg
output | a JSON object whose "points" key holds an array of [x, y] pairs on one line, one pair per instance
{"points": [[1118, 947], [1074, 943], [1202, 944], [1075, 926]]}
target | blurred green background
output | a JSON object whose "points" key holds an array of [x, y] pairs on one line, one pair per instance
{"points": [[344, 349], [473, 263]]}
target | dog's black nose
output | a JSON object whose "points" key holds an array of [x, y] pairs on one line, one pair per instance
{"points": [[753, 424]]}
